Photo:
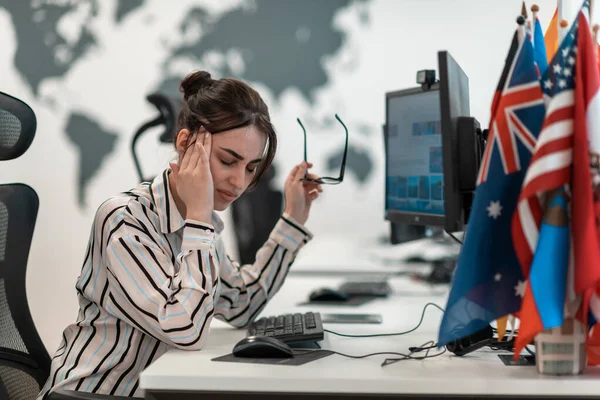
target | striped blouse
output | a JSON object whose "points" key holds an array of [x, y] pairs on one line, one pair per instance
{"points": [[152, 281]]}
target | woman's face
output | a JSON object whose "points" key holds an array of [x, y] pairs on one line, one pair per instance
{"points": [[234, 160]]}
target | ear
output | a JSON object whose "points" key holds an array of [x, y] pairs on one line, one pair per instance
{"points": [[183, 138]]}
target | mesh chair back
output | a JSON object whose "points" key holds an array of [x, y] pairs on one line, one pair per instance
{"points": [[24, 361], [17, 127]]}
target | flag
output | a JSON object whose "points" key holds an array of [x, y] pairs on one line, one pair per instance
{"points": [[551, 37], [488, 282], [544, 302], [512, 51], [586, 170], [593, 347], [539, 46], [550, 166], [568, 84]]}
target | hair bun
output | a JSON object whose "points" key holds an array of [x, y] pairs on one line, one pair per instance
{"points": [[194, 82]]}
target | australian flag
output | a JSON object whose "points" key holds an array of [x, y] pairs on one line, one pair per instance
{"points": [[488, 282]]}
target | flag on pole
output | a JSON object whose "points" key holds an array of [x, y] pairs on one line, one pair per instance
{"points": [[551, 37], [539, 45], [571, 87], [488, 282], [586, 170]]}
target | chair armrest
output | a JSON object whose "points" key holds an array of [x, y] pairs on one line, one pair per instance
{"points": [[73, 395]]}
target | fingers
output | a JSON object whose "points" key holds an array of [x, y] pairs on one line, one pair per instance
{"points": [[301, 171], [292, 174], [208, 143], [185, 160], [313, 185], [203, 158], [313, 195]]}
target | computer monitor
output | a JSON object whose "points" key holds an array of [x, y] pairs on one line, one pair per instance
{"points": [[462, 143], [433, 150], [414, 192]]}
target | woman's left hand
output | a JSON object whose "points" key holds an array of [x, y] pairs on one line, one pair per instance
{"points": [[299, 194]]}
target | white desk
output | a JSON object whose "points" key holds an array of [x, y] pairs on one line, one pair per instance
{"points": [[186, 375], [357, 255]]}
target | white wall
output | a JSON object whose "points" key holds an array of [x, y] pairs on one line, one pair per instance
{"points": [[404, 36]]}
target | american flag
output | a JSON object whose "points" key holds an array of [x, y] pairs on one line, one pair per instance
{"points": [[550, 166]]}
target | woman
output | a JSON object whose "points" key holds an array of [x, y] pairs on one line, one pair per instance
{"points": [[156, 271]]}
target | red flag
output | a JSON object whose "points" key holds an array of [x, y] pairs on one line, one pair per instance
{"points": [[593, 347], [585, 181]]}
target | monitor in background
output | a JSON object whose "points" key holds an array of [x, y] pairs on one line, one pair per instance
{"points": [[414, 184], [462, 143]]}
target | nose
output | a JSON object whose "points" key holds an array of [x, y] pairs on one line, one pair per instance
{"points": [[238, 179]]}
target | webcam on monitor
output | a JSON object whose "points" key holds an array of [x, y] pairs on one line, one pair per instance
{"points": [[433, 149]]}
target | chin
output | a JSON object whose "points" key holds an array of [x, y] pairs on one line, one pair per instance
{"points": [[220, 205]]}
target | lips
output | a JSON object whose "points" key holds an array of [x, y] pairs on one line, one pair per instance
{"points": [[226, 195]]}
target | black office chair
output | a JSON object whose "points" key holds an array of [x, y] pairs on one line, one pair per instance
{"points": [[254, 215], [24, 361]]}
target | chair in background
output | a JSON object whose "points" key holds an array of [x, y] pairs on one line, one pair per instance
{"points": [[254, 215], [24, 361]]}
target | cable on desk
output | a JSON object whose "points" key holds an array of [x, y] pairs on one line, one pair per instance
{"points": [[453, 237], [390, 334], [426, 346], [529, 351], [387, 361]]}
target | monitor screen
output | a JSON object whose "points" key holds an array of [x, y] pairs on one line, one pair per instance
{"points": [[414, 163]]}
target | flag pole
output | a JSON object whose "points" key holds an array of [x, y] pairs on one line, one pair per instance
{"points": [[563, 24], [534, 12], [521, 31], [562, 29], [525, 15]]}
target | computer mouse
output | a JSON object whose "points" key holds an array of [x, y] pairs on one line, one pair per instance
{"points": [[327, 294], [262, 347]]}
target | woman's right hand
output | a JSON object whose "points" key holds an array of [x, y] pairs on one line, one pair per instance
{"points": [[193, 179]]}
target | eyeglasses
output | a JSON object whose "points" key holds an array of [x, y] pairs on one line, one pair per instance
{"points": [[326, 179]]}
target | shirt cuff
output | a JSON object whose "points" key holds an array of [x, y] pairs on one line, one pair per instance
{"points": [[290, 234], [197, 235]]}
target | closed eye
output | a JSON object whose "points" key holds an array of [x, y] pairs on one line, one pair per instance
{"points": [[230, 164]]}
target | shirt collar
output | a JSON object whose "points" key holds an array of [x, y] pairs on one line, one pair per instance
{"points": [[168, 215]]}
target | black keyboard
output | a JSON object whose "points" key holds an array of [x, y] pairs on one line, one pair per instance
{"points": [[377, 288], [289, 327]]}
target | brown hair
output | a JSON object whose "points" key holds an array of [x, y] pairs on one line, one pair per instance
{"points": [[224, 104]]}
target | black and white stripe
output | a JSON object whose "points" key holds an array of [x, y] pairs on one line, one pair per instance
{"points": [[149, 282]]}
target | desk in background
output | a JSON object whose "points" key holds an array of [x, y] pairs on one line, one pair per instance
{"points": [[186, 375], [332, 255]]}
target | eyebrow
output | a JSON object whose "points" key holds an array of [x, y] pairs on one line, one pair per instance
{"points": [[239, 157]]}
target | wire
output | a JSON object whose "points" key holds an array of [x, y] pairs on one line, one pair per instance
{"points": [[453, 237], [426, 346], [390, 334], [387, 361], [529, 351]]}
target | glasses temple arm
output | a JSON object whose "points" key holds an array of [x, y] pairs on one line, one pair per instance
{"points": [[343, 167]]}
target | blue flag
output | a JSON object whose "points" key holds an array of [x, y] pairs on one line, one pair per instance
{"points": [[539, 47], [488, 282]]}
